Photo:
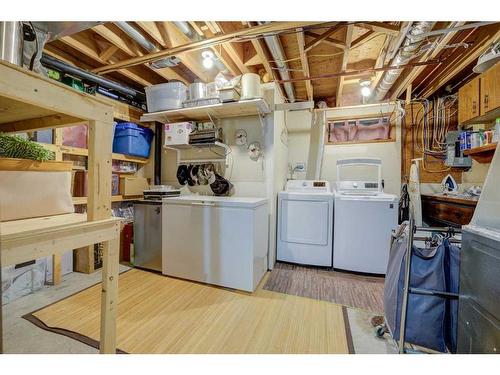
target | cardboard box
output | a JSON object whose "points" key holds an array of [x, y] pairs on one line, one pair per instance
{"points": [[131, 186]]}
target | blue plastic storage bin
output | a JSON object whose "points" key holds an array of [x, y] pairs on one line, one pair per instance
{"points": [[132, 139]]}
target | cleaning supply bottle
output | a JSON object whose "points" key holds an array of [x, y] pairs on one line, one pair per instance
{"points": [[496, 133]]}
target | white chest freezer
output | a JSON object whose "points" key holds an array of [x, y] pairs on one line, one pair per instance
{"points": [[216, 240]]}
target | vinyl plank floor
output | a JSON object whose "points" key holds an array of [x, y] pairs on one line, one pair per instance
{"points": [[353, 290]]}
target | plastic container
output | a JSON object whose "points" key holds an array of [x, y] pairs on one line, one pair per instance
{"points": [[75, 136], [165, 96], [132, 139], [496, 132]]}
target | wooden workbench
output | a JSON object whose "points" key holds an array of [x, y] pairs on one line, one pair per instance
{"points": [[29, 101]]}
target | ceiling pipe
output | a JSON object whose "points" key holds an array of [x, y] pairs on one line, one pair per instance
{"points": [[274, 45], [408, 50], [51, 62], [140, 39]]}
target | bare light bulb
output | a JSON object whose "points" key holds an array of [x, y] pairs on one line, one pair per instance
{"points": [[365, 91], [208, 62]]}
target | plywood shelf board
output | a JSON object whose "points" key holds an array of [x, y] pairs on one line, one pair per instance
{"points": [[114, 198], [26, 95], [483, 154], [242, 108], [77, 151]]}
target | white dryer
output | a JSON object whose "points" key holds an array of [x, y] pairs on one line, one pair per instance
{"points": [[364, 219], [305, 223]]}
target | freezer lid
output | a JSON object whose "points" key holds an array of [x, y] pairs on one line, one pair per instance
{"points": [[200, 200]]}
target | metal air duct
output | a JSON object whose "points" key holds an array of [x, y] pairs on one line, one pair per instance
{"points": [[140, 39], [274, 45], [408, 50]]}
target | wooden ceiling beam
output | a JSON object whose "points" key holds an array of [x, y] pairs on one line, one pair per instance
{"points": [[345, 58], [108, 52], [253, 31], [176, 39], [414, 73], [235, 52], [81, 47], [331, 41], [305, 63], [118, 41], [260, 49], [317, 40], [362, 39], [380, 27], [381, 60], [454, 68]]}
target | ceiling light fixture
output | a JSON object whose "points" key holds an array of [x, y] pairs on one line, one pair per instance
{"points": [[208, 59], [365, 87], [488, 58]]}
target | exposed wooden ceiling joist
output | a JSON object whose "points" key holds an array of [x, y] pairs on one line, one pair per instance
{"points": [[345, 58], [235, 50], [116, 38], [305, 63], [177, 38], [331, 41], [224, 38], [317, 40], [454, 67], [381, 27], [83, 48], [417, 70], [363, 38]]}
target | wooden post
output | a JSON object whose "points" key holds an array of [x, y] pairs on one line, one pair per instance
{"points": [[56, 259], [99, 207], [408, 94], [109, 296], [99, 170]]}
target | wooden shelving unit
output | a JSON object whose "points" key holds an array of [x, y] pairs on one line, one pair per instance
{"points": [[483, 154], [242, 108], [28, 102], [114, 198]]}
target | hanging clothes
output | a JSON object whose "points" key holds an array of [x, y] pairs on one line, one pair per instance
{"points": [[414, 193]]}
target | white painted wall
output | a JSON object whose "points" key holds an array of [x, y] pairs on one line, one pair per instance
{"points": [[299, 135], [261, 178], [388, 152]]}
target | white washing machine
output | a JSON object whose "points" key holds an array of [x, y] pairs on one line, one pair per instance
{"points": [[364, 218], [305, 223]]}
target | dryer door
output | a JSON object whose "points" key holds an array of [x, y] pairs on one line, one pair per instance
{"points": [[305, 230], [304, 221]]}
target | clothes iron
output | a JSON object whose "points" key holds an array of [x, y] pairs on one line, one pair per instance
{"points": [[449, 185]]}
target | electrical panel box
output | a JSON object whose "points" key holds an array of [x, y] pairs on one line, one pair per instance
{"points": [[454, 155]]}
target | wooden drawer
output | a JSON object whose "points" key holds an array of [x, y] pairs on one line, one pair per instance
{"points": [[446, 213]]}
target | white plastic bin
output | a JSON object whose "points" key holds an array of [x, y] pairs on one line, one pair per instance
{"points": [[166, 96]]}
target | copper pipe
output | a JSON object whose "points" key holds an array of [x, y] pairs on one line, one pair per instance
{"points": [[364, 71]]}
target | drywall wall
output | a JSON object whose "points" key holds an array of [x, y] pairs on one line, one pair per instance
{"points": [[251, 178], [388, 152], [299, 135], [277, 166]]}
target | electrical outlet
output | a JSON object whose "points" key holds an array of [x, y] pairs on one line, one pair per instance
{"points": [[300, 166]]}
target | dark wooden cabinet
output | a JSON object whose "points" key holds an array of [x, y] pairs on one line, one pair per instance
{"points": [[449, 211]]}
